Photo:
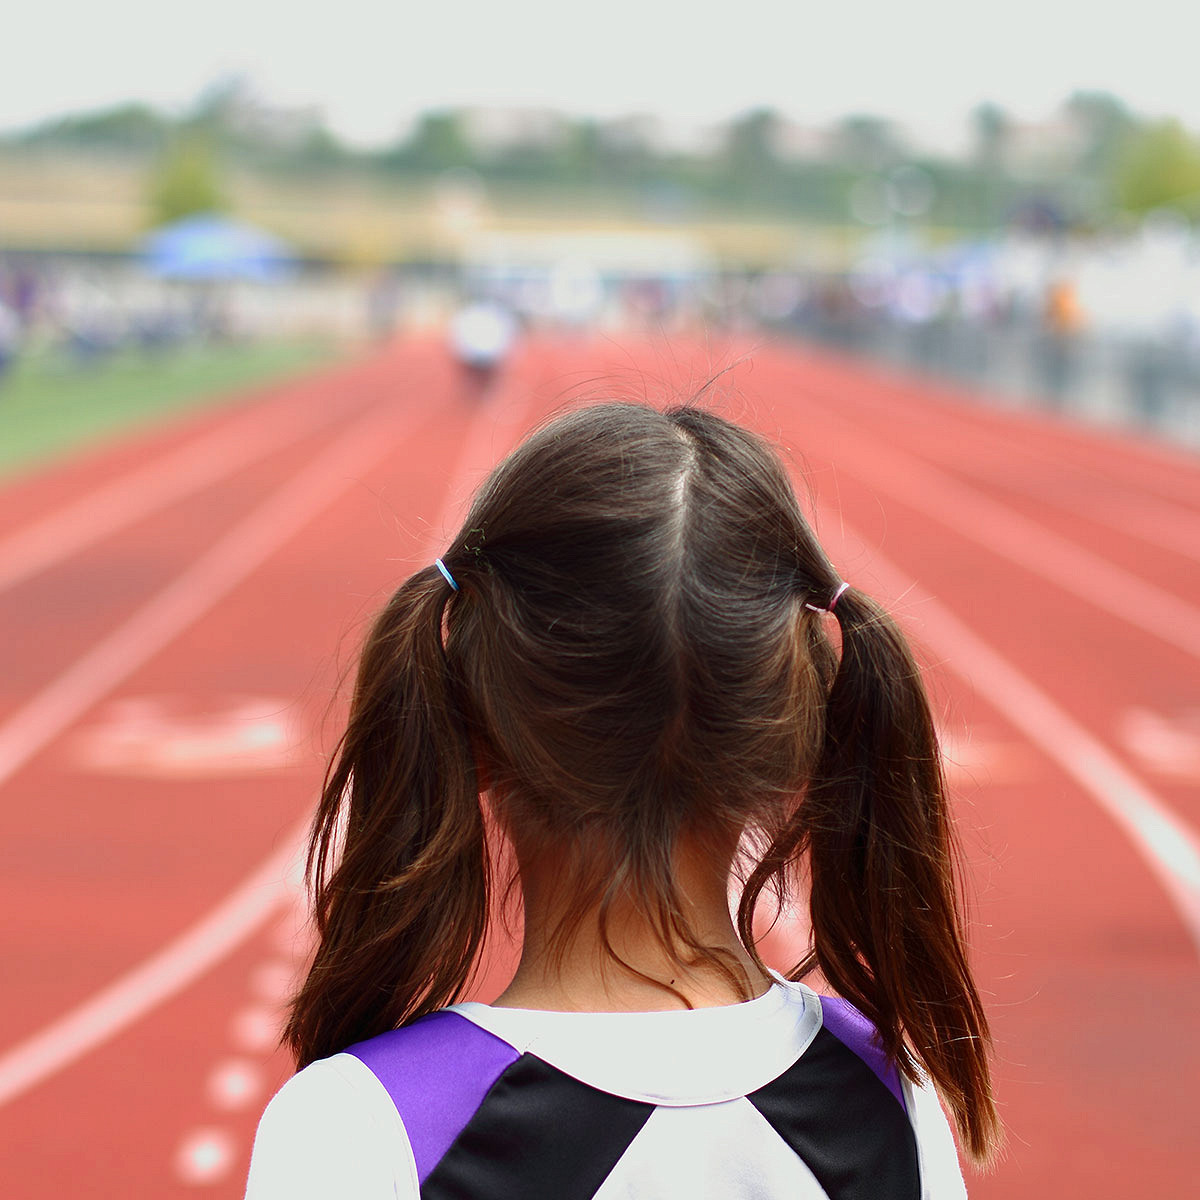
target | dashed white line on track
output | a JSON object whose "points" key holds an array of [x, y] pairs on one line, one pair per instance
{"points": [[255, 1030], [235, 1084], [157, 979], [205, 1156], [273, 981]]}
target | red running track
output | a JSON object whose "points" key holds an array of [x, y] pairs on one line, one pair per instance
{"points": [[177, 610]]}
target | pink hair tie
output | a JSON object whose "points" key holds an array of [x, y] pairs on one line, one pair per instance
{"points": [[837, 595]]}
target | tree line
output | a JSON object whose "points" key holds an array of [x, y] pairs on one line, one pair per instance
{"points": [[1100, 163]]}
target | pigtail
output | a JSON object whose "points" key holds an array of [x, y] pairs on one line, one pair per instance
{"points": [[397, 864], [887, 931]]}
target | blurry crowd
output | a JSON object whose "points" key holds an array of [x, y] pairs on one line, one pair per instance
{"points": [[79, 312], [1104, 326], [84, 313]]}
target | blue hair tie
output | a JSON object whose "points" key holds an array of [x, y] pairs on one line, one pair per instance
{"points": [[441, 566]]}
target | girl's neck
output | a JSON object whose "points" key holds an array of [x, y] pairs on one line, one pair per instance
{"points": [[583, 977]]}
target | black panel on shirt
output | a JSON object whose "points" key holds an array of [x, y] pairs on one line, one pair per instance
{"points": [[842, 1120], [538, 1135]]}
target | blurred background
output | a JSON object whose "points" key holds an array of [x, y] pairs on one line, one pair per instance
{"points": [[276, 287], [1027, 224]]}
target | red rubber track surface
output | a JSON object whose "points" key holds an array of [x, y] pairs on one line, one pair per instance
{"points": [[1018, 527]]}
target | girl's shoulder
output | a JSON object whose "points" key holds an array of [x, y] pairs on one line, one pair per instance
{"points": [[436, 1073], [331, 1130]]}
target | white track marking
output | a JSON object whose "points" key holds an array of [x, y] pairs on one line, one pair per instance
{"points": [[272, 981], [1164, 745], [234, 1084], [1155, 521], [1169, 523], [994, 527], [240, 915], [1150, 463], [972, 760], [1164, 839], [170, 737], [292, 934], [256, 1030], [122, 501], [158, 978], [190, 595], [205, 1156]]}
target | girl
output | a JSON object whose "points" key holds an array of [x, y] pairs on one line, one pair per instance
{"points": [[623, 666]]}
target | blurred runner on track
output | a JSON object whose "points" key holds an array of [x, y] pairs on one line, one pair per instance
{"points": [[481, 337]]}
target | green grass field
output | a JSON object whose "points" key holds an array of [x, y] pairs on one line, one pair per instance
{"points": [[50, 405]]}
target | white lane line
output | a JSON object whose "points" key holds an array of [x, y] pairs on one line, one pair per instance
{"points": [[1141, 517], [120, 502], [191, 594], [157, 979], [1169, 523], [150, 629], [1143, 467], [1165, 840], [240, 915], [997, 528]]}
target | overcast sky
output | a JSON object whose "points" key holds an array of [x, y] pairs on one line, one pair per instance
{"points": [[372, 65]]}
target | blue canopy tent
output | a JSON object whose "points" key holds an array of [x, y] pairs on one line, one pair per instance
{"points": [[211, 247]]}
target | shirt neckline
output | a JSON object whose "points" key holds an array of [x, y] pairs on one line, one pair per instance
{"points": [[673, 1057], [639, 1012]]}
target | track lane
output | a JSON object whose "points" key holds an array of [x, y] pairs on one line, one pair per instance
{"points": [[69, 575], [53, 619], [1090, 643], [113, 842], [930, 409], [1157, 540], [1055, 953], [1020, 536], [41, 490], [188, 461], [353, 553], [1067, 962], [1062, 985]]}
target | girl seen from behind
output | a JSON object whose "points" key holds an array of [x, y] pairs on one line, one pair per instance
{"points": [[623, 665]]}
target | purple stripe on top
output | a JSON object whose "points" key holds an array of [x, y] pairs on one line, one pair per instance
{"points": [[437, 1071], [856, 1033]]}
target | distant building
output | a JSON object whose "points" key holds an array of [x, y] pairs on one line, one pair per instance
{"points": [[497, 130], [1037, 149], [799, 142]]}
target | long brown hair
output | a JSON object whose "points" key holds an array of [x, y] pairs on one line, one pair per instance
{"points": [[631, 652]]}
